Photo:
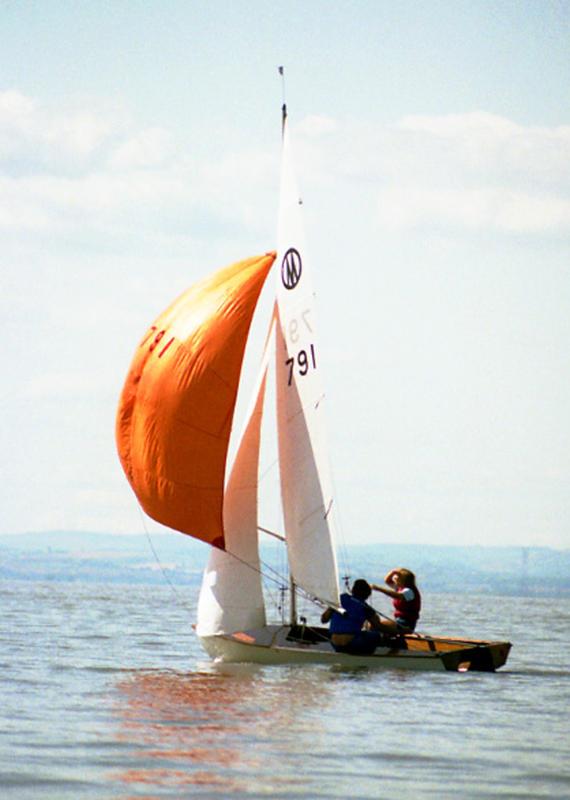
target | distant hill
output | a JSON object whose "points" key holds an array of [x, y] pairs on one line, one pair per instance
{"points": [[101, 557], [160, 557], [536, 571]]}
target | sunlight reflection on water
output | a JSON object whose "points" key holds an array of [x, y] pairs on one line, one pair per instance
{"points": [[216, 721]]}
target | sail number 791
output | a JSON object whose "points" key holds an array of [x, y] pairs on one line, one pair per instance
{"points": [[153, 338], [302, 363]]}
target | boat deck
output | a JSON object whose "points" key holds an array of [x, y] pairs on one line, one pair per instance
{"points": [[278, 644]]}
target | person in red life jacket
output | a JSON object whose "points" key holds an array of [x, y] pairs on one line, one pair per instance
{"points": [[406, 599], [346, 624]]}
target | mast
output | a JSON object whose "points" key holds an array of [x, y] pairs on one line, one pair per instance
{"points": [[284, 104], [293, 601], [292, 587], [306, 486]]}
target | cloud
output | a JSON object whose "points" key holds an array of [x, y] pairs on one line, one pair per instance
{"points": [[493, 148], [94, 174], [317, 125], [149, 148], [32, 135], [460, 172], [66, 173], [497, 209]]}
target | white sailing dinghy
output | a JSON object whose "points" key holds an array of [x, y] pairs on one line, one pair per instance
{"points": [[173, 434]]}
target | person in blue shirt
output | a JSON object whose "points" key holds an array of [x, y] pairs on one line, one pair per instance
{"points": [[346, 625]]}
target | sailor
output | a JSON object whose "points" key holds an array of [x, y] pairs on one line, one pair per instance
{"points": [[406, 599], [346, 624]]}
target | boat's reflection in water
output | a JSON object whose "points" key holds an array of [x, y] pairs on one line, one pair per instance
{"points": [[221, 727]]}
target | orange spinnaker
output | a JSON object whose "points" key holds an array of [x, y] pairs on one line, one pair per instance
{"points": [[176, 408]]}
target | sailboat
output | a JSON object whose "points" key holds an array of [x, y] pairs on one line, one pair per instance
{"points": [[174, 425]]}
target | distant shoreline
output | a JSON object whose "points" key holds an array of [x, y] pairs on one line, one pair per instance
{"points": [[64, 556]]}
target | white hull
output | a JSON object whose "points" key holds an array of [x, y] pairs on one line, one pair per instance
{"points": [[273, 645]]}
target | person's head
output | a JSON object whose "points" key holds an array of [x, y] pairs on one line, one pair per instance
{"points": [[405, 578], [361, 589]]}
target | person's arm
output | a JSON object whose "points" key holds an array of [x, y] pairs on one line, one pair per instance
{"points": [[327, 614], [384, 590], [375, 622]]}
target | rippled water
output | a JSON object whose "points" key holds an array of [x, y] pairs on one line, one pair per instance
{"points": [[106, 693]]}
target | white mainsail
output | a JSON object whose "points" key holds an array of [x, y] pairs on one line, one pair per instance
{"points": [[308, 508]]}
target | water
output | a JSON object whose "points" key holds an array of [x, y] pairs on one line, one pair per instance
{"points": [[106, 693]]}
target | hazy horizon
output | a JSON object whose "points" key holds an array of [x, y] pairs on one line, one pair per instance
{"points": [[189, 541]]}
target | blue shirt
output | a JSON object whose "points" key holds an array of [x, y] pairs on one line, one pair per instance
{"points": [[356, 612]]}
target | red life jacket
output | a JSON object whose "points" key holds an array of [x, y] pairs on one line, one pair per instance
{"points": [[408, 610]]}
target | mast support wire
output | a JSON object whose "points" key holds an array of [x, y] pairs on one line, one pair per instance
{"points": [[279, 579], [178, 596]]}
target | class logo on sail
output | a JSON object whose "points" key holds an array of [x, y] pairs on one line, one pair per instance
{"points": [[291, 268]]}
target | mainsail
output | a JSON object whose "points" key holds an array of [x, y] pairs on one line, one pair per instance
{"points": [[176, 409], [305, 474]]}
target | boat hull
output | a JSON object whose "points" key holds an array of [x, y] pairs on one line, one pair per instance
{"points": [[275, 644]]}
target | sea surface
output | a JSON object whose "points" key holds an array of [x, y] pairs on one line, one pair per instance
{"points": [[105, 693]]}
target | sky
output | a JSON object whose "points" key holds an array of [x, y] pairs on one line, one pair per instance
{"points": [[139, 151]]}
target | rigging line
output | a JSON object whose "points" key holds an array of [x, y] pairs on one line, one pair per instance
{"points": [[279, 579], [271, 533], [339, 527], [280, 576], [299, 589], [268, 469], [178, 596], [276, 578]]}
